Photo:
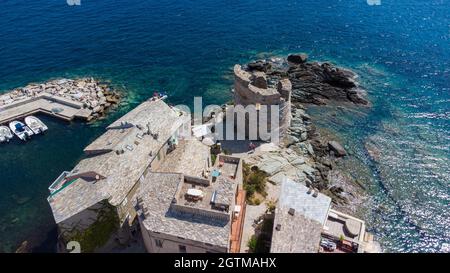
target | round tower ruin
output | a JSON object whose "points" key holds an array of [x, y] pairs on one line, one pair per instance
{"points": [[252, 88]]}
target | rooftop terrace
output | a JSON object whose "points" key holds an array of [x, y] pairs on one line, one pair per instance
{"points": [[190, 207], [205, 195], [159, 215], [339, 224]]}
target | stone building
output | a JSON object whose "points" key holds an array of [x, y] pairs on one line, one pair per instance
{"points": [[146, 173], [193, 214], [252, 89], [304, 219], [94, 203]]}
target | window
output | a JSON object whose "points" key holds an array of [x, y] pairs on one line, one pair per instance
{"points": [[158, 243], [182, 248]]}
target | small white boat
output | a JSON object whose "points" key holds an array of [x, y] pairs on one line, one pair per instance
{"points": [[35, 124], [5, 134], [20, 130]]}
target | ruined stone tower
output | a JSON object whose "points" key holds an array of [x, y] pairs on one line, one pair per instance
{"points": [[253, 88]]}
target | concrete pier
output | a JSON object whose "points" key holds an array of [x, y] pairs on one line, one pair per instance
{"points": [[45, 103], [67, 99]]}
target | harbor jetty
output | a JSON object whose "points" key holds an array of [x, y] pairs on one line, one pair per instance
{"points": [[68, 99]]}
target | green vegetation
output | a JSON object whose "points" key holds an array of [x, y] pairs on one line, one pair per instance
{"points": [[215, 150], [99, 232], [213, 158], [271, 205], [256, 201], [230, 102], [254, 184], [252, 243]]}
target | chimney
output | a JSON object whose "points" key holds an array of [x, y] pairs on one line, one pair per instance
{"points": [[291, 211], [278, 227]]}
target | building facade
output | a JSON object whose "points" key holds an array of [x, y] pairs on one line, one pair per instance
{"points": [[94, 203]]}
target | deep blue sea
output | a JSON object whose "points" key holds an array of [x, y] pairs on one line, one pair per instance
{"points": [[400, 49]]}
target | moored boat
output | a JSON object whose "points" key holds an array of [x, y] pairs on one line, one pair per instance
{"points": [[35, 124], [20, 130], [5, 134]]}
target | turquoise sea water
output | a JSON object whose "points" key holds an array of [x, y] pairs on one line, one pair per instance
{"points": [[400, 49]]}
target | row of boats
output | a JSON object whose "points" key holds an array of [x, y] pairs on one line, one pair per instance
{"points": [[32, 126]]}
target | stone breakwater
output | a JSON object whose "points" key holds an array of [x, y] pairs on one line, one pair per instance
{"points": [[305, 155], [94, 96]]}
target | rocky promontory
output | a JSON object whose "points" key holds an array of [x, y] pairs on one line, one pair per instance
{"points": [[306, 155], [92, 94], [313, 82]]}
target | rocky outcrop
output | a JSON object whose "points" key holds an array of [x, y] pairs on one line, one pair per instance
{"points": [[313, 82], [305, 155], [261, 66], [95, 96], [318, 83], [24, 248], [336, 148], [297, 58]]}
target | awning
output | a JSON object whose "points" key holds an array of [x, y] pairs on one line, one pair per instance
{"points": [[201, 130]]}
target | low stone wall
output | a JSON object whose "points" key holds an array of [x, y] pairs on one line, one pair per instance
{"points": [[202, 212]]}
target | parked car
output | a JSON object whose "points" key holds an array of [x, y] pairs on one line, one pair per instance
{"points": [[328, 245]]}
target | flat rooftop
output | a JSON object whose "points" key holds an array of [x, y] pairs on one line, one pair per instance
{"points": [[228, 169], [155, 199], [116, 159], [217, 195]]}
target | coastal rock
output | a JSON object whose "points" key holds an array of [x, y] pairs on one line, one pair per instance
{"points": [[97, 109], [290, 140], [314, 82], [271, 166], [298, 161], [259, 66], [24, 248], [93, 104], [20, 200], [277, 179], [112, 99], [337, 77], [337, 148], [297, 58], [303, 136]]}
